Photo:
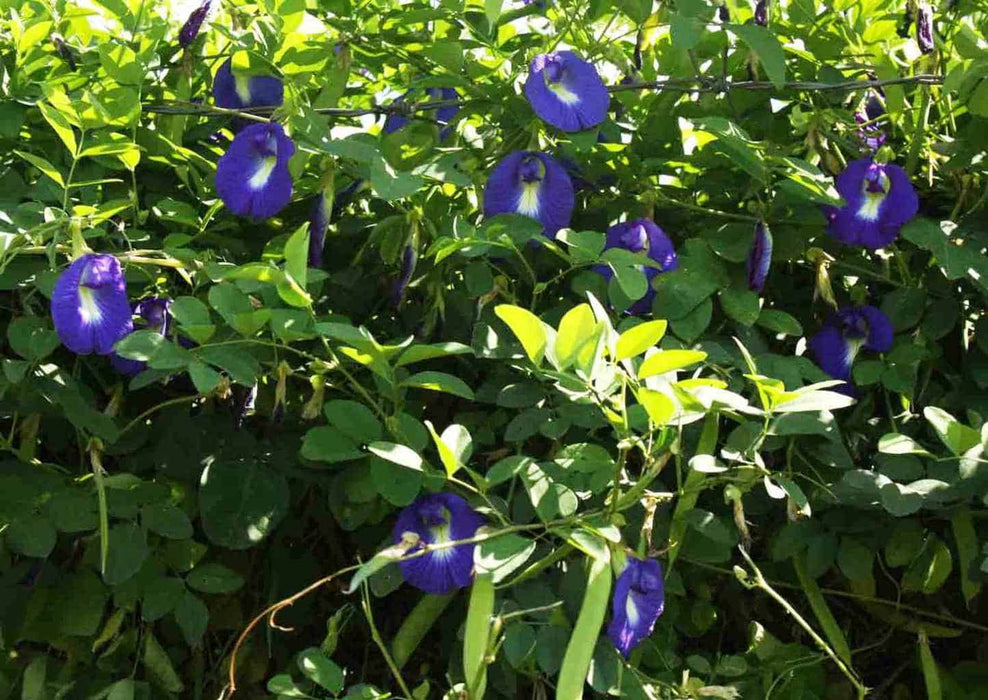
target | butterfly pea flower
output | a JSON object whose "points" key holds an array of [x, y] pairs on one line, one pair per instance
{"points": [[232, 91], [89, 305], [533, 184], [879, 201], [761, 13], [443, 115], [436, 519], [153, 312], [639, 598], [924, 29], [409, 257], [759, 257], [566, 91], [642, 236], [190, 30], [844, 335], [252, 177]]}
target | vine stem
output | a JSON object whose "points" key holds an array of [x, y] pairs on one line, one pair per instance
{"points": [[764, 585], [272, 610], [673, 84], [379, 641]]}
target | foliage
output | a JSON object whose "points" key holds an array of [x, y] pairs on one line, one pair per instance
{"points": [[814, 544]]}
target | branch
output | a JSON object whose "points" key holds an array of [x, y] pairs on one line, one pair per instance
{"points": [[674, 84]]}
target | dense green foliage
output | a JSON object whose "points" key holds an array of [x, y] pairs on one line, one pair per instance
{"points": [[814, 546]]}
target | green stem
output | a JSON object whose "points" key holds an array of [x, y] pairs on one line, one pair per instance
{"points": [[762, 584], [919, 133], [376, 636]]}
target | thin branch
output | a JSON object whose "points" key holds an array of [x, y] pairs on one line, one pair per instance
{"points": [[675, 84]]}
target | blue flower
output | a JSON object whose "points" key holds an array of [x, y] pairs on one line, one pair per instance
{"points": [[89, 305], [444, 115], [318, 223], [565, 91], [252, 177], [232, 91], [639, 598], [879, 200], [642, 235], [534, 184], [408, 259], [154, 312], [438, 518], [844, 334], [190, 30], [760, 257]]}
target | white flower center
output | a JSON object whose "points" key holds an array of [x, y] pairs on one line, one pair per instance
{"points": [[565, 95], [631, 610], [869, 209], [441, 535], [528, 202], [263, 173], [241, 85], [88, 307]]}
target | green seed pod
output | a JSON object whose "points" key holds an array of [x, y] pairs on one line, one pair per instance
{"points": [[579, 651], [476, 637]]}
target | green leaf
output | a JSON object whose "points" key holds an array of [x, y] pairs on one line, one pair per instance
{"points": [[779, 322], [31, 338], [440, 381], [928, 572], [166, 520], [966, 539], [391, 185], [44, 166], [326, 443], [668, 360], [241, 502], [576, 329], [492, 10], [957, 437], [740, 304], [292, 291], [527, 327], [321, 670], [161, 596], [503, 555], [455, 446], [640, 338], [57, 121], [660, 408], [127, 551], [401, 455], [768, 49], [192, 617], [31, 536], [214, 578], [386, 556], [854, 559], [354, 420]]}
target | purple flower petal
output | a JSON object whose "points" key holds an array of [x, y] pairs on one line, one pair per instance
{"points": [[533, 184], [318, 223], [190, 30], [252, 177], [879, 200], [566, 91], [761, 13], [639, 598], [154, 312], [760, 257], [924, 29], [845, 333], [437, 518], [408, 259], [89, 305], [232, 91], [638, 236]]}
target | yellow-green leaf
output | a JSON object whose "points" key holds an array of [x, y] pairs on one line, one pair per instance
{"points": [[637, 340], [527, 327], [669, 360]]}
